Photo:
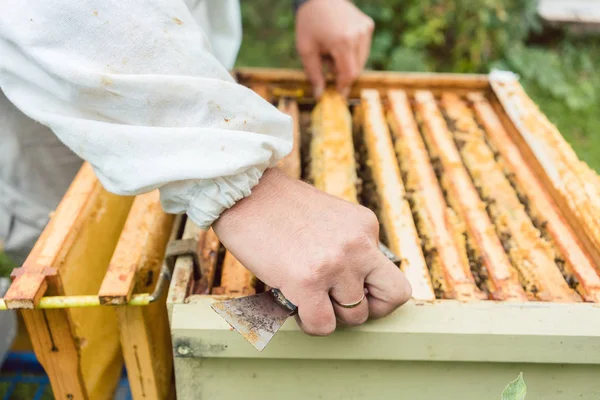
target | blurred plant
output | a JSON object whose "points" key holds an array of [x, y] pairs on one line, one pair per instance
{"points": [[439, 35], [459, 35]]}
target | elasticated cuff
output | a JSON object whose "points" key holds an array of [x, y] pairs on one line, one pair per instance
{"points": [[205, 200]]}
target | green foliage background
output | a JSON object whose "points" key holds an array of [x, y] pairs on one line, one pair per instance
{"points": [[460, 36]]}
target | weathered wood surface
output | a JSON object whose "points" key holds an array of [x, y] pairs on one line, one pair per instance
{"points": [[573, 185], [577, 261], [502, 279], [183, 272], [209, 244], [448, 260], [291, 164], [79, 348], [294, 80], [333, 167], [139, 251], [135, 268], [395, 211], [531, 254]]}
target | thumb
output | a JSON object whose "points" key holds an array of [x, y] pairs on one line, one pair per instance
{"points": [[313, 66]]}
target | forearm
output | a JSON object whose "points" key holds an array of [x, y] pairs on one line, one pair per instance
{"points": [[142, 99]]}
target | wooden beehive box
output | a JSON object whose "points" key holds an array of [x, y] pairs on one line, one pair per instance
{"points": [[498, 225], [497, 222]]}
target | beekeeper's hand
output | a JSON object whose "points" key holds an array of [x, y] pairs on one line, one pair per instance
{"points": [[338, 30], [318, 249]]}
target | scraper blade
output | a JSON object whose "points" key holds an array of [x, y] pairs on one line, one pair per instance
{"points": [[257, 318]]}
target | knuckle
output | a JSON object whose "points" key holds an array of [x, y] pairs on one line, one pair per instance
{"points": [[346, 38], [304, 48], [321, 329], [402, 296], [369, 220], [370, 25], [358, 240]]}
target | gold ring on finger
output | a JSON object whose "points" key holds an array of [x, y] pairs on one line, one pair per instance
{"points": [[350, 305]]}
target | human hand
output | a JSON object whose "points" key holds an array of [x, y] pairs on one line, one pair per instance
{"points": [[336, 29], [314, 247]]}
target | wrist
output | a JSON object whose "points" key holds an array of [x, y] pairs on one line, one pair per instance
{"points": [[269, 186]]}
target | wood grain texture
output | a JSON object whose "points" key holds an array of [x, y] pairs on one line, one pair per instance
{"points": [[333, 166], [78, 242], [209, 243], [571, 183], [183, 272], [236, 280], [502, 280], [448, 260], [144, 331], [541, 206], [291, 164], [138, 255], [396, 214], [531, 254], [57, 350], [294, 80]]}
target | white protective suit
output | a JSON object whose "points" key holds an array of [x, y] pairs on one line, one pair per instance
{"points": [[139, 89]]}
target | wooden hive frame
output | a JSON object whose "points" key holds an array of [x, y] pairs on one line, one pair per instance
{"points": [[79, 348]]}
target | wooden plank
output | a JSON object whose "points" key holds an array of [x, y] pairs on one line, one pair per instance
{"points": [[183, 272], [57, 349], [502, 278], [294, 80], [135, 267], [570, 11], [571, 183], [236, 280], [541, 206], [79, 348], [209, 251], [261, 89], [395, 211], [446, 330], [449, 263], [333, 166], [136, 255], [291, 164], [531, 255]]}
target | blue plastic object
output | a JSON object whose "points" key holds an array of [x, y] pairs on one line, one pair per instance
{"points": [[24, 368]]}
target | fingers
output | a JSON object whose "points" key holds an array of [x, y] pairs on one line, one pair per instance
{"points": [[346, 66], [316, 316], [388, 289], [350, 293], [351, 54], [313, 66], [364, 45]]}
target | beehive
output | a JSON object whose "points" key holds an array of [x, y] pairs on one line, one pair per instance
{"points": [[495, 218], [497, 224]]}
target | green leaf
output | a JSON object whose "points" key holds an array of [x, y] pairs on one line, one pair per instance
{"points": [[516, 390]]}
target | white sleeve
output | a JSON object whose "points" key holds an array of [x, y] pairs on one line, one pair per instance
{"points": [[131, 86]]}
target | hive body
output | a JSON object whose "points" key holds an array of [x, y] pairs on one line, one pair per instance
{"points": [[495, 218]]}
